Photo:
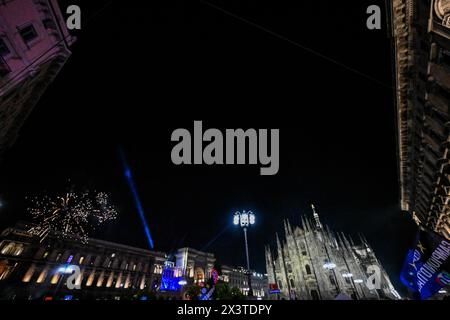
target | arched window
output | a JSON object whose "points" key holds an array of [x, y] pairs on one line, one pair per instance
{"points": [[303, 248], [308, 269], [18, 250], [333, 282], [8, 249], [292, 283], [289, 268], [314, 295]]}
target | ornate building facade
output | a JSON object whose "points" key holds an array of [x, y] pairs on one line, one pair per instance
{"points": [[421, 38], [196, 267], [31, 269], [315, 263], [35, 269], [34, 45]]}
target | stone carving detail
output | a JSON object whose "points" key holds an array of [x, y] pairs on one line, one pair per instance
{"points": [[442, 9]]}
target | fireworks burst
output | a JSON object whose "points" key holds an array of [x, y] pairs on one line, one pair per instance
{"points": [[71, 215]]}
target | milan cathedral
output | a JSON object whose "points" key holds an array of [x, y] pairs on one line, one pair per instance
{"points": [[315, 263]]}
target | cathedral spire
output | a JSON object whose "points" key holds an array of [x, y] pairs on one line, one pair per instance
{"points": [[304, 226], [287, 227], [316, 217], [351, 240], [270, 265], [365, 243], [279, 247], [346, 242], [340, 242], [268, 255]]}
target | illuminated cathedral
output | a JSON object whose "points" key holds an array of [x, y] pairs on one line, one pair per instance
{"points": [[314, 263]]}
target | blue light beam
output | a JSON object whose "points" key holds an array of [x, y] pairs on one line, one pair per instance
{"points": [[129, 176]]}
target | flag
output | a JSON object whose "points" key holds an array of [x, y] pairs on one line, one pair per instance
{"points": [[427, 265]]}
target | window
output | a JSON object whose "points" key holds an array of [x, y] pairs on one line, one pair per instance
{"points": [[8, 249], [29, 274], [289, 268], [4, 49], [109, 283], [99, 280], [4, 270], [49, 24], [333, 282], [158, 269], [28, 33], [308, 269], [42, 276], [314, 295], [292, 283], [55, 278], [18, 250]]}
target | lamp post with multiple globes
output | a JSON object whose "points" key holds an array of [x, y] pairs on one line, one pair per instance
{"points": [[245, 219]]}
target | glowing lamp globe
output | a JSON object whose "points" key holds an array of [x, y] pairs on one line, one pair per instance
{"points": [[329, 265], [347, 275], [251, 218], [244, 219]]}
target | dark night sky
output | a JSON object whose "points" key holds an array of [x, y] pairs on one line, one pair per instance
{"points": [[139, 72]]}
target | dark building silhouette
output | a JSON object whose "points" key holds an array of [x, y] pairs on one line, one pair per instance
{"points": [[421, 37], [34, 45]]}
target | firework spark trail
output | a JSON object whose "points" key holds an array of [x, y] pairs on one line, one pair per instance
{"points": [[71, 215]]}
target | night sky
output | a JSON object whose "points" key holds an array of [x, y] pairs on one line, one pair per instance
{"points": [[139, 72]]}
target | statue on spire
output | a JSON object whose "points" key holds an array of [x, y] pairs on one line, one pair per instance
{"points": [[316, 217]]}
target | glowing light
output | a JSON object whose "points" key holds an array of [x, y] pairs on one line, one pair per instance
{"points": [[245, 218], [358, 281], [215, 275], [71, 215], [182, 282], [347, 275], [169, 282], [252, 218], [442, 291], [66, 269], [329, 265], [137, 201]]}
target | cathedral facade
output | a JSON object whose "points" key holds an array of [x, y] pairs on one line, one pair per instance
{"points": [[315, 263]]}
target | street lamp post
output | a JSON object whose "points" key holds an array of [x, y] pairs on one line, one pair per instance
{"points": [[245, 219]]}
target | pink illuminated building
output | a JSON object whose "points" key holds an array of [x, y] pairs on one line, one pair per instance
{"points": [[34, 45]]}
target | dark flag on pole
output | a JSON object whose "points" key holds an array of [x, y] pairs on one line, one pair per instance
{"points": [[427, 266]]}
